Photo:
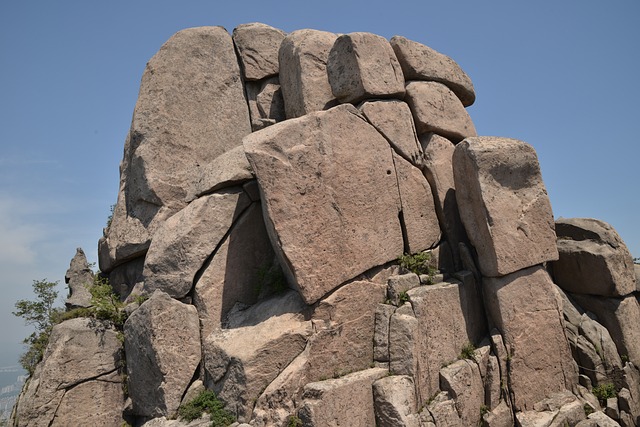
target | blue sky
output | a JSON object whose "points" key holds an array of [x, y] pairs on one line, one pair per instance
{"points": [[561, 76]]}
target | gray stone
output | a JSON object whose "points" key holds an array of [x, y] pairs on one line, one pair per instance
{"points": [[238, 272], [162, 345], [593, 259], [463, 382], [611, 408], [303, 72], [524, 308], [503, 204], [399, 285], [436, 109], [363, 65], [501, 416], [183, 242], [78, 278], [444, 413], [266, 104], [381, 332], [191, 108], [636, 268], [394, 401], [535, 418], [420, 62], [258, 46], [493, 384], [228, 169], [126, 277], [600, 420], [404, 343], [332, 402], [327, 166]]}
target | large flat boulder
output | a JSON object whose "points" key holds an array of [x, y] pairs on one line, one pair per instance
{"points": [[318, 175], [436, 109], [593, 259], [420, 62], [229, 169], [503, 204], [303, 76], [258, 46], [162, 345], [363, 65], [191, 108], [184, 242], [524, 307]]}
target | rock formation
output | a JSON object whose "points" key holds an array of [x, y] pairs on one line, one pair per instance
{"points": [[322, 239]]}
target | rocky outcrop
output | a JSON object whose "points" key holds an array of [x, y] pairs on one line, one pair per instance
{"points": [[369, 263], [78, 278]]}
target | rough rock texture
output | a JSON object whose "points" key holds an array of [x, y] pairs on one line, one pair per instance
{"points": [[420, 62], [191, 108], [162, 344], [524, 308], [331, 402], [436, 109], [183, 242], [444, 412], [593, 259], [395, 401], [266, 104], [463, 382], [258, 46], [381, 333], [228, 169], [78, 278], [127, 276], [303, 58], [79, 370], [363, 65], [503, 204], [306, 169]]}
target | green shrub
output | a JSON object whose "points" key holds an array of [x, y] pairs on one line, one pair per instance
{"points": [[467, 352], [417, 263], [294, 421], [105, 304], [208, 402], [604, 391]]}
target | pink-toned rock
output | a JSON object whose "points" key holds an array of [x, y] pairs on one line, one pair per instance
{"points": [[463, 382], [228, 169], [303, 76], [318, 175], [191, 108], [183, 243], [258, 46], [233, 273], [523, 306], [363, 65], [394, 121], [420, 62], [593, 259], [504, 204], [395, 401], [436, 109], [266, 104]]}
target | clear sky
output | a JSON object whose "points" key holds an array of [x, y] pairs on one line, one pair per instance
{"points": [[561, 76]]}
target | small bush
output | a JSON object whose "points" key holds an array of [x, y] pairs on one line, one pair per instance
{"points": [[417, 263], [588, 410], [208, 402], [604, 391], [402, 298], [467, 352], [294, 421]]}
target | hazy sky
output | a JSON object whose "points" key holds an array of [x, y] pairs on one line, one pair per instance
{"points": [[561, 76]]}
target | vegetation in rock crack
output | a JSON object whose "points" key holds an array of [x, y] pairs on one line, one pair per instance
{"points": [[208, 402], [588, 409], [294, 421], [467, 352], [604, 391], [403, 297], [110, 217], [484, 409], [42, 314], [417, 263], [105, 305]]}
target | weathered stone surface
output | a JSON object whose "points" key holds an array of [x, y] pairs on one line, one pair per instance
{"points": [[438, 169], [303, 58], [332, 402], [183, 242], [191, 108], [598, 419], [593, 259], [524, 308], [162, 345], [203, 421], [363, 65], [82, 355], [393, 119], [241, 362], [463, 382], [621, 317], [78, 278], [394, 401], [228, 169], [503, 204], [266, 105], [327, 166], [420, 62], [258, 46], [535, 418], [443, 410], [501, 416], [127, 276], [436, 109], [381, 332], [493, 384], [630, 401], [404, 340], [636, 268], [419, 219], [238, 268], [400, 284]]}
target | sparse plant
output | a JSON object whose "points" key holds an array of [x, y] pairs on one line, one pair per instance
{"points": [[484, 409], [467, 352], [624, 358], [110, 217], [294, 421], [206, 402], [588, 409], [604, 391], [105, 304], [418, 263], [403, 297]]}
